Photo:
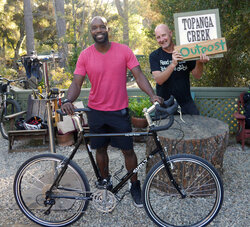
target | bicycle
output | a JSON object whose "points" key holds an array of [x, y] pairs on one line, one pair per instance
{"points": [[9, 105], [52, 190]]}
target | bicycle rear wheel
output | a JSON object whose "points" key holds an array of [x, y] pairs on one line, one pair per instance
{"points": [[35, 177], [12, 107], [197, 178]]}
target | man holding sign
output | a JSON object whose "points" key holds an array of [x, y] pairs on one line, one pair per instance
{"points": [[171, 73]]}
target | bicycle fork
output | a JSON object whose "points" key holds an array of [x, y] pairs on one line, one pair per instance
{"points": [[4, 104], [168, 165]]}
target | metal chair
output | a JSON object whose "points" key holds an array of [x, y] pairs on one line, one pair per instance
{"points": [[242, 132]]}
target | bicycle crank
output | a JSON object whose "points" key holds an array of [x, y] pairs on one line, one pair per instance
{"points": [[104, 200]]}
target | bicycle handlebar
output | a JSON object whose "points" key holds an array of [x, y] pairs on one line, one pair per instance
{"points": [[169, 102], [21, 80], [167, 110], [170, 110], [77, 110]]}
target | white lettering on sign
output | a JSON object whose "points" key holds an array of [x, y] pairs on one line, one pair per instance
{"points": [[197, 28]]}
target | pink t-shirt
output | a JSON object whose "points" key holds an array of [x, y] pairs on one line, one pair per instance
{"points": [[107, 75]]}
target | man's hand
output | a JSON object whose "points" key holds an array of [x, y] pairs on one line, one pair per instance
{"points": [[68, 108], [156, 98], [203, 58], [176, 57]]}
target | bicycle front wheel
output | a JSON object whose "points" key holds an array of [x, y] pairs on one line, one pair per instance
{"points": [[67, 201], [12, 107], [199, 181]]}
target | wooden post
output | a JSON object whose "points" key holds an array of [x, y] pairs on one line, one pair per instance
{"points": [[49, 111]]}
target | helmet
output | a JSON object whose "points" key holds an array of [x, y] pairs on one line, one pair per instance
{"points": [[31, 127], [19, 124], [33, 123]]}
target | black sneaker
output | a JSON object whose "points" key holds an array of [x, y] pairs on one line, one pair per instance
{"points": [[135, 191], [105, 183]]}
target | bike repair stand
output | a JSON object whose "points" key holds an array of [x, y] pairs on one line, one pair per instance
{"points": [[44, 61]]}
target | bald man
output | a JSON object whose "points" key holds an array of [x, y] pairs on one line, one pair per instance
{"points": [[171, 73]]}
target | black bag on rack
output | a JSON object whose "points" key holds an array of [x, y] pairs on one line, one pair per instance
{"points": [[33, 67]]}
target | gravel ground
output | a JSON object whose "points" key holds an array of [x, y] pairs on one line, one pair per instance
{"points": [[234, 212]]}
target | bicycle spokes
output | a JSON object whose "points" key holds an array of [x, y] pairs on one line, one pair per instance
{"points": [[45, 204], [199, 183]]}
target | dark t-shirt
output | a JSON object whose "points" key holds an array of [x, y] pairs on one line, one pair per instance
{"points": [[178, 84]]}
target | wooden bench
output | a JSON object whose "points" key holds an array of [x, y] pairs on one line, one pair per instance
{"points": [[35, 108], [16, 135]]}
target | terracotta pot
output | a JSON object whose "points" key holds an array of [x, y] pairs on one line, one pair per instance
{"points": [[139, 122], [65, 139]]}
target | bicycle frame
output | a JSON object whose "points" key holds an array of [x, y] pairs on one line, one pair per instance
{"points": [[5, 95], [6, 92], [85, 137]]}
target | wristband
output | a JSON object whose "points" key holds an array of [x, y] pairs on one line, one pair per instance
{"points": [[65, 101]]}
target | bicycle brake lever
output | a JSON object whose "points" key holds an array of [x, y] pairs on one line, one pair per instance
{"points": [[179, 111]]}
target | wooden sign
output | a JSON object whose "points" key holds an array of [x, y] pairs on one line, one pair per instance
{"points": [[210, 47], [197, 26]]}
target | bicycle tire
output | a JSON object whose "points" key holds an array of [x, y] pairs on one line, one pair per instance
{"points": [[201, 183], [12, 107], [35, 177]]}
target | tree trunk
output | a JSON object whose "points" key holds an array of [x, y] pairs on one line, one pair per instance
{"points": [[123, 12], [125, 24], [18, 46], [28, 20], [74, 24], [3, 48], [202, 136], [61, 31]]}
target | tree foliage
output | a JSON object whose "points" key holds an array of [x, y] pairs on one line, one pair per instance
{"points": [[11, 28], [142, 17]]}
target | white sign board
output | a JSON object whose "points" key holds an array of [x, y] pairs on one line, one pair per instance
{"points": [[197, 26]]}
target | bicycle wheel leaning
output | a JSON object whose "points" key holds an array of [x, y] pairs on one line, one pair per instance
{"points": [[12, 107], [197, 178], [35, 177]]}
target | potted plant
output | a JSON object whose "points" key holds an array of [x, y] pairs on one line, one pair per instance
{"points": [[136, 106]]}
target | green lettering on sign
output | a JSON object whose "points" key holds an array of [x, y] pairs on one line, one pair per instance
{"points": [[183, 50], [209, 47]]}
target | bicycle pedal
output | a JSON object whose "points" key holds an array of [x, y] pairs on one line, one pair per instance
{"points": [[104, 184]]}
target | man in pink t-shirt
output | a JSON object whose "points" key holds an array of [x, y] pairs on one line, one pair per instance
{"points": [[106, 65]]}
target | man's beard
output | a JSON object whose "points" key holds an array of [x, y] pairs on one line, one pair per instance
{"points": [[169, 43], [105, 39]]}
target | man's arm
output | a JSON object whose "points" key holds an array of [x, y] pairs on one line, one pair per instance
{"points": [[161, 77], [75, 88], [198, 70], [144, 84], [72, 94]]}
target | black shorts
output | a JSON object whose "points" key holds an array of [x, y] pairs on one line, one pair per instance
{"points": [[110, 122]]}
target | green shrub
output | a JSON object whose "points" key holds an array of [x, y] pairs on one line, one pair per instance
{"points": [[137, 104]]}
